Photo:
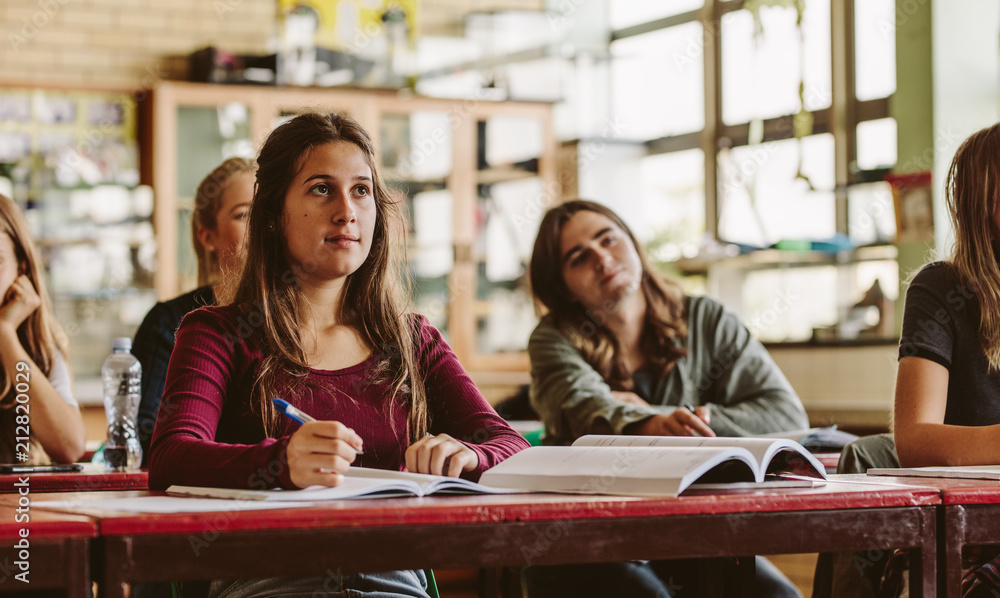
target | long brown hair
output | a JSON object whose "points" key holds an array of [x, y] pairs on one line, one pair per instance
{"points": [[972, 193], [665, 323], [375, 295], [39, 334], [207, 202]]}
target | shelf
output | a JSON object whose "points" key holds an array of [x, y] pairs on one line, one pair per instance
{"points": [[834, 344], [490, 176], [393, 177], [776, 258]]}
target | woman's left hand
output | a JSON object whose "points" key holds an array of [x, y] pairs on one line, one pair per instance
{"points": [[440, 455], [20, 301]]}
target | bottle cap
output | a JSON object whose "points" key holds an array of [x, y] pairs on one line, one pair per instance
{"points": [[122, 343]]}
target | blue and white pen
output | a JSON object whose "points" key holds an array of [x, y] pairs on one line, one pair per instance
{"points": [[285, 407], [296, 414]]}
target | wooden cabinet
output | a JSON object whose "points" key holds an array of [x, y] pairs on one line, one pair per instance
{"points": [[475, 175]]}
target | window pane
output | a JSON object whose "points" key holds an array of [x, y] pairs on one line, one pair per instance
{"points": [[671, 216], [870, 217], [877, 143], [657, 82], [761, 200], [761, 73], [206, 137], [875, 48], [632, 12]]}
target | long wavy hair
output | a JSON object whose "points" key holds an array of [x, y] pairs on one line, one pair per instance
{"points": [[39, 334], [375, 295], [207, 202], [972, 194], [665, 322]]}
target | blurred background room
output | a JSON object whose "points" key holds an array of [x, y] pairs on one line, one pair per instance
{"points": [[784, 157]]}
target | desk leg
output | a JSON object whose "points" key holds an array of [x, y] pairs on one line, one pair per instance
{"points": [[746, 577], [711, 577], [510, 582], [488, 583], [952, 531], [113, 561], [78, 570], [925, 564]]}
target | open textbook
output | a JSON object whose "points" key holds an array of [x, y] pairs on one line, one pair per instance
{"points": [[614, 465], [652, 465], [975, 472]]}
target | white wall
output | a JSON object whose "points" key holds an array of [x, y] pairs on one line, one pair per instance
{"points": [[966, 51]]}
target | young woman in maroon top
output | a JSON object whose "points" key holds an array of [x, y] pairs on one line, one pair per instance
{"points": [[319, 319]]}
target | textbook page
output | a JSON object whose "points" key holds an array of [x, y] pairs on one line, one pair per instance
{"points": [[762, 449], [975, 472], [626, 471], [161, 504], [359, 482]]}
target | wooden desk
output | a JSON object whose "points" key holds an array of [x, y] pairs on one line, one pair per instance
{"points": [[93, 477], [58, 551], [970, 516], [509, 531]]}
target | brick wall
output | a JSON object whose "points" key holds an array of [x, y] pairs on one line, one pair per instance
{"points": [[125, 42]]}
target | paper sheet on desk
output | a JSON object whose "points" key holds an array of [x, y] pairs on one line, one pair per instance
{"points": [[164, 504]]}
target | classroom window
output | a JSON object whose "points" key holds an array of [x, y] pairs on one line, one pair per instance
{"points": [[875, 48], [876, 143], [672, 220], [777, 190], [658, 82], [759, 55], [764, 61]]}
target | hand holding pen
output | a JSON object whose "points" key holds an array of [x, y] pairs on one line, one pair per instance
{"points": [[320, 451], [685, 420]]}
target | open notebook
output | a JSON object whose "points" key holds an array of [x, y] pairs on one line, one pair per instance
{"points": [[613, 465], [358, 482], [976, 472]]}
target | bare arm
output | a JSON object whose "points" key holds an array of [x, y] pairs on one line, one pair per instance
{"points": [[57, 425], [922, 437]]}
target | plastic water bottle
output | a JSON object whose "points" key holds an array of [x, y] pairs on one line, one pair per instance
{"points": [[122, 376]]}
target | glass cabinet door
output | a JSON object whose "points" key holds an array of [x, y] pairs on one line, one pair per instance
{"points": [[416, 154], [206, 136], [511, 202]]}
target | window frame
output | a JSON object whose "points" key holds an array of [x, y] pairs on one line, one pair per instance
{"points": [[840, 119]]}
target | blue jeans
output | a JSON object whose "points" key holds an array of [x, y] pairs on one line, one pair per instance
{"points": [[653, 579], [390, 584]]}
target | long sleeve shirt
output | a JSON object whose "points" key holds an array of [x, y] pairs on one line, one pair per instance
{"points": [[153, 344], [725, 368], [206, 434]]}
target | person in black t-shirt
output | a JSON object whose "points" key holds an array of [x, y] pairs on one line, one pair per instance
{"points": [[217, 226], [947, 405]]}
